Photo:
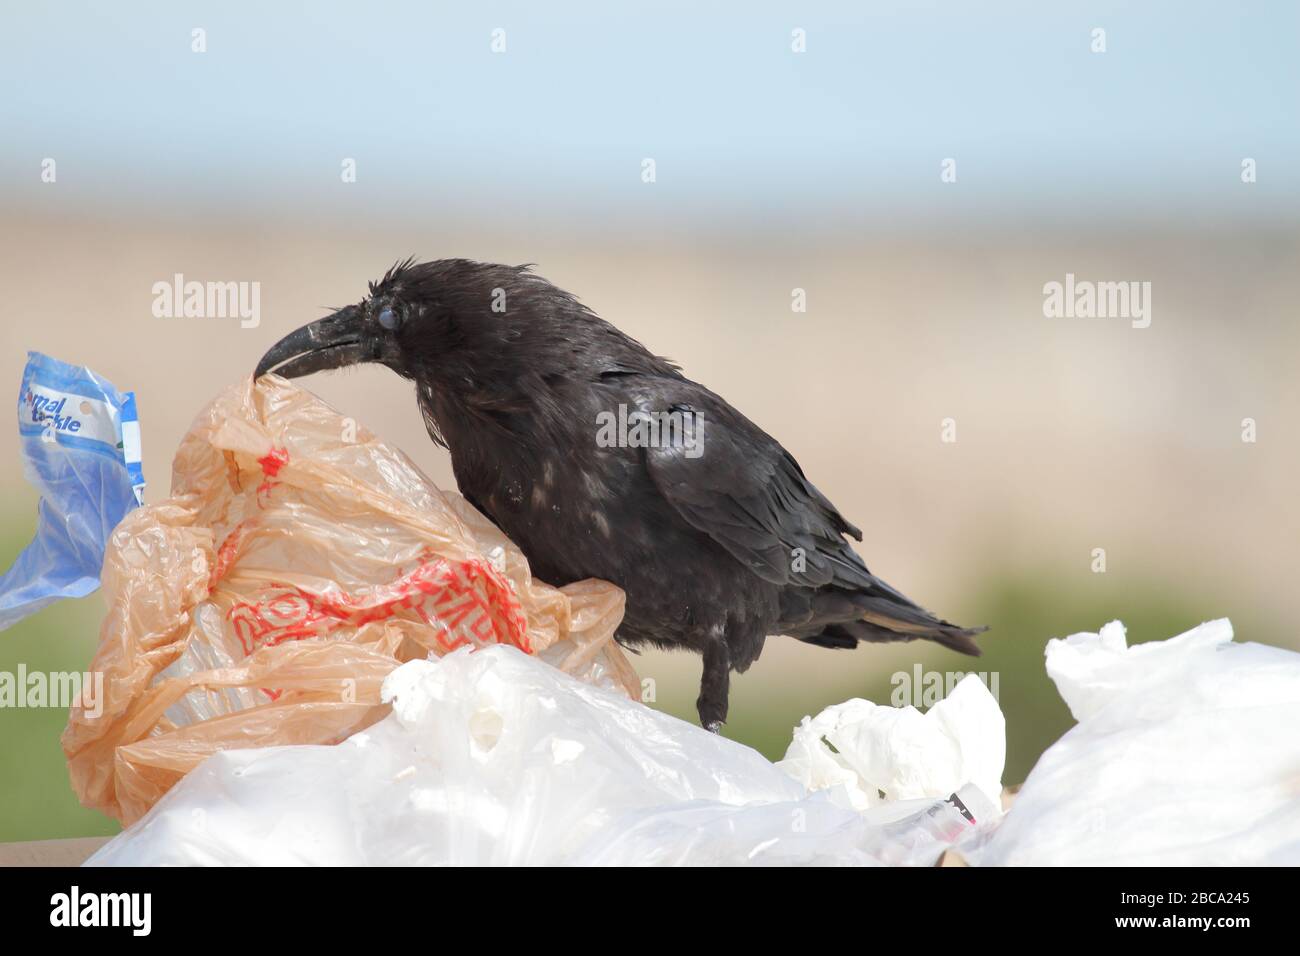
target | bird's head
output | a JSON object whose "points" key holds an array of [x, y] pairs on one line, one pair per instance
{"points": [[448, 320], [488, 346]]}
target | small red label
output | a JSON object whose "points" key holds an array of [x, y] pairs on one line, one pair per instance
{"points": [[271, 463]]}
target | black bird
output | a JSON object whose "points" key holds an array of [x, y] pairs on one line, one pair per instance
{"points": [[709, 525]]}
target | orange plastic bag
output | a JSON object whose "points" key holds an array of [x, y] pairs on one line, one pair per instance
{"points": [[298, 561]]}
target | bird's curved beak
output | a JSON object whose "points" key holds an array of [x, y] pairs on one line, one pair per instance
{"points": [[332, 342]]}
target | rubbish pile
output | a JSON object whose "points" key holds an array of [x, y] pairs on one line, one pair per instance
{"points": [[1185, 753], [314, 656], [494, 757]]}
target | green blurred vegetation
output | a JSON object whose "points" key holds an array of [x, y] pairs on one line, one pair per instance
{"points": [[1024, 610], [36, 799]]}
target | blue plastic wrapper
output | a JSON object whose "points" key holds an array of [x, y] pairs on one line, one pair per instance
{"points": [[81, 450]]}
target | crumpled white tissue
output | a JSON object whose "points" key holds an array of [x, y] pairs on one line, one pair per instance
{"points": [[879, 753]]}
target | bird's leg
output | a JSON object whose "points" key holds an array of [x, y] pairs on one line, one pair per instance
{"points": [[715, 685]]}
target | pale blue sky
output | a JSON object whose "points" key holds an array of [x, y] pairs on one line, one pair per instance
{"points": [[737, 123]]}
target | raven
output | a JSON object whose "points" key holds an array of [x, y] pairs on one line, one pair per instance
{"points": [[602, 460]]}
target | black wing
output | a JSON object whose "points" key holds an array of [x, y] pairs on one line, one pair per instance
{"points": [[748, 493]]}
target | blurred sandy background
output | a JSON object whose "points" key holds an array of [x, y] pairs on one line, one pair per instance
{"points": [[924, 299]]}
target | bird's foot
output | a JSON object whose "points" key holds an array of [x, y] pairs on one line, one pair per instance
{"points": [[715, 683]]}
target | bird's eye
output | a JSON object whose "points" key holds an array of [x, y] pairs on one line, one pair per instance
{"points": [[388, 318]]}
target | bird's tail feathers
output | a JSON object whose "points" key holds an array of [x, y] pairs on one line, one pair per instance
{"points": [[880, 618]]}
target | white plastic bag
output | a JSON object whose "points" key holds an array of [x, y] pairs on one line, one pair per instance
{"points": [[494, 757], [1187, 752]]}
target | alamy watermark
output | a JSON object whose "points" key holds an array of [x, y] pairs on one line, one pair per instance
{"points": [[638, 429], [922, 688], [1098, 300], [60, 689], [208, 300], [133, 911]]}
